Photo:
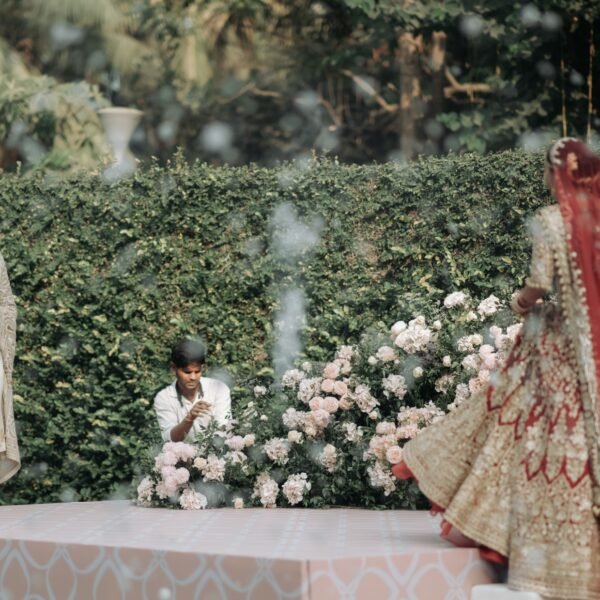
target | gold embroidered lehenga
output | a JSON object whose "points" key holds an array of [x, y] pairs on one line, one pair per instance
{"points": [[515, 468], [10, 461]]}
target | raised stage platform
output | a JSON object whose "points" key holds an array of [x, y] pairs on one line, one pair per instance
{"points": [[113, 550]]}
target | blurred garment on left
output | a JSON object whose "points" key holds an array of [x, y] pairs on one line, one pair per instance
{"points": [[10, 461]]}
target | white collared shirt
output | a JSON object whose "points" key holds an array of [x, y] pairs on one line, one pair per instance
{"points": [[170, 412]]}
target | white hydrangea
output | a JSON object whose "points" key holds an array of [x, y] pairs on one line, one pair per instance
{"points": [[266, 489], [144, 492], [309, 388], [455, 299], [467, 343], [191, 500], [293, 418], [345, 366], [352, 432], [397, 328], [235, 457], [385, 428], [513, 331], [489, 306], [214, 469], [396, 385], [235, 442], [295, 487], [471, 362], [380, 476], [345, 353], [292, 377], [443, 383], [328, 458], [415, 338], [277, 449], [295, 437], [363, 398], [386, 354]]}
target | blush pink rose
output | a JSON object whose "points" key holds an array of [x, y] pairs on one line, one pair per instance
{"points": [[320, 417], [316, 403], [330, 404], [340, 388], [394, 454], [331, 371], [328, 385]]}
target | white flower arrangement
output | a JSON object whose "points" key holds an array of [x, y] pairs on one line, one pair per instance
{"points": [[345, 422]]}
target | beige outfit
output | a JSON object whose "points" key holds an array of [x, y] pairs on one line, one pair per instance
{"points": [[10, 461], [511, 465]]}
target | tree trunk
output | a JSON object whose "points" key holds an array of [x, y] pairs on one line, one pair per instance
{"points": [[438, 63], [409, 48]]}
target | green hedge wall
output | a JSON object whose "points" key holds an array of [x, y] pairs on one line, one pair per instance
{"points": [[107, 276]]}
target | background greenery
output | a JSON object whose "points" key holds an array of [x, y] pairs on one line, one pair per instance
{"points": [[107, 277], [363, 79]]}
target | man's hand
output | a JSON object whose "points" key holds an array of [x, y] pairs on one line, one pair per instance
{"points": [[199, 408]]}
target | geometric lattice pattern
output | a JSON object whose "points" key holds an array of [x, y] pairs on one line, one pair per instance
{"points": [[112, 550]]}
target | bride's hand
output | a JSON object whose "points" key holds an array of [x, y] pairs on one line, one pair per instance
{"points": [[517, 305]]}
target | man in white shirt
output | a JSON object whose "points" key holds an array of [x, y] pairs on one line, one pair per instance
{"points": [[187, 406]]}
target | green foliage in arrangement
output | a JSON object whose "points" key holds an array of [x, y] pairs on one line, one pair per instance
{"points": [[108, 276]]}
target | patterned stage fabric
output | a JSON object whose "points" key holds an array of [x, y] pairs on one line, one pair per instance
{"points": [[100, 550]]}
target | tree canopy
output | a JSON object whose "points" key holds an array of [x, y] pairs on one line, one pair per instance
{"points": [[236, 81]]}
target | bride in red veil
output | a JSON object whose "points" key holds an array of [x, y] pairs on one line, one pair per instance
{"points": [[516, 468]]}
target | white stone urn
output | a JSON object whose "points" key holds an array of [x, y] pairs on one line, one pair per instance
{"points": [[119, 124]]}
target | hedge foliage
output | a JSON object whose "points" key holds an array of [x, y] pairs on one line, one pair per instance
{"points": [[108, 276]]}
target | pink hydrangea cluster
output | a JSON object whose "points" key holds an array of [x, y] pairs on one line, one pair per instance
{"points": [[174, 452]]}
